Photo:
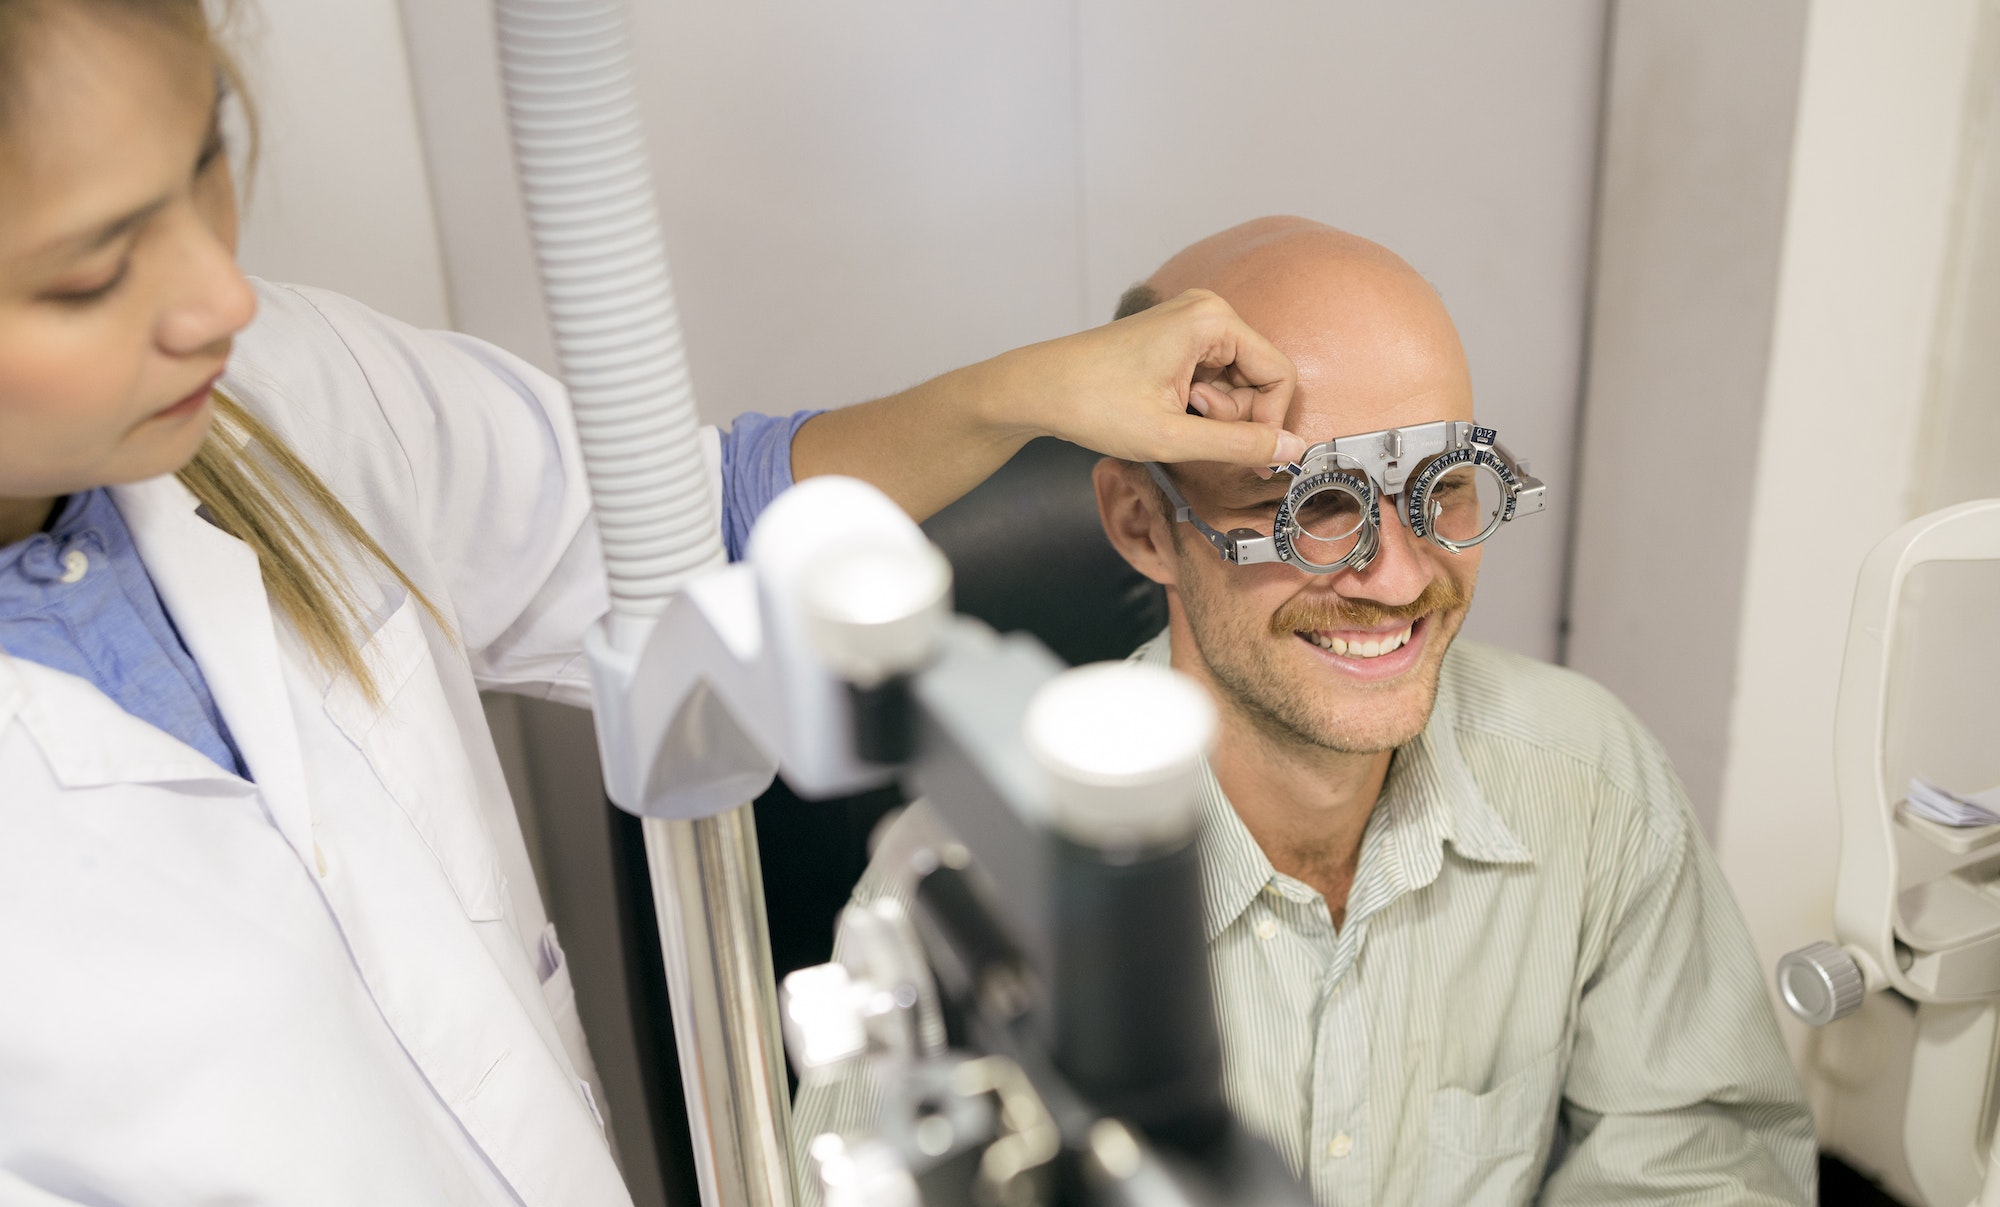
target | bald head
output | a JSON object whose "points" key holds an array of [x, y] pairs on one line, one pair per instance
{"points": [[1370, 336]]}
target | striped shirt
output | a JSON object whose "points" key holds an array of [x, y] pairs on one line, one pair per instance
{"points": [[1542, 989]]}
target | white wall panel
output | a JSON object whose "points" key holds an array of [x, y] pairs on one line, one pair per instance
{"points": [[1944, 714], [341, 198], [1461, 136]]}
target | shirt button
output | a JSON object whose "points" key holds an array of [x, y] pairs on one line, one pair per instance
{"points": [[75, 565], [1340, 1145], [1267, 928], [319, 860]]}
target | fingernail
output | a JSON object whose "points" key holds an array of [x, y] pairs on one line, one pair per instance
{"points": [[1290, 448], [1263, 472], [1196, 401]]}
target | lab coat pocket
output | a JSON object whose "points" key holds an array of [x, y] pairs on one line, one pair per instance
{"points": [[411, 740], [552, 966], [1486, 1149]]}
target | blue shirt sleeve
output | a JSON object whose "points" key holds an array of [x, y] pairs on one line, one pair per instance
{"points": [[756, 468]]}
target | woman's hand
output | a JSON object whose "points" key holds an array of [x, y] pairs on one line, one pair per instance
{"points": [[1124, 389]]}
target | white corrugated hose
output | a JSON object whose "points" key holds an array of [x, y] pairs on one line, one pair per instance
{"points": [[584, 172]]}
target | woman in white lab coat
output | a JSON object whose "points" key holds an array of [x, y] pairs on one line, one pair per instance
{"points": [[268, 933]]}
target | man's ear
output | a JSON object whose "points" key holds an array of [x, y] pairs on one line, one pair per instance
{"points": [[1128, 505]]}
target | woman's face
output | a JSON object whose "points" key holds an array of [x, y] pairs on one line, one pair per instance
{"points": [[119, 290]]}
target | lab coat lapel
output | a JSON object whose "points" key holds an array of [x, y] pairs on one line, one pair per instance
{"points": [[214, 591], [88, 740]]}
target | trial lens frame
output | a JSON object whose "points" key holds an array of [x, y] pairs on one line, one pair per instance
{"points": [[1369, 467]]}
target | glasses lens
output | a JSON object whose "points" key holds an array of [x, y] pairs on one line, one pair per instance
{"points": [[1327, 524], [1464, 504]]}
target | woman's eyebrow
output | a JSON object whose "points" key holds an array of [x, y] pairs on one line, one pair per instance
{"points": [[84, 242]]}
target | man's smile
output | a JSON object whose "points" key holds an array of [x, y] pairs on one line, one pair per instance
{"points": [[1374, 654], [1358, 644]]}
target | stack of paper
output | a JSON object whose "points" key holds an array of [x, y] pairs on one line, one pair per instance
{"points": [[1933, 803]]}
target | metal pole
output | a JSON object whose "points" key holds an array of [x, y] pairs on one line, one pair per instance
{"points": [[709, 896]]}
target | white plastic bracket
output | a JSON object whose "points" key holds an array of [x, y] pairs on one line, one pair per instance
{"points": [[726, 688]]}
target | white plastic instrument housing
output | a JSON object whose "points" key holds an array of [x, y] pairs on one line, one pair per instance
{"points": [[728, 687], [1902, 912]]}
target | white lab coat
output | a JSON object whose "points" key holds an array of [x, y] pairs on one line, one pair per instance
{"points": [[334, 985]]}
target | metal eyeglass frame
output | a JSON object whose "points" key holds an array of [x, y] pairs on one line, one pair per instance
{"points": [[1405, 462]]}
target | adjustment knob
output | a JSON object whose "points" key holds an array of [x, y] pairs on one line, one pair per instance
{"points": [[1121, 744], [822, 1019], [877, 610], [867, 1174], [1821, 982]]}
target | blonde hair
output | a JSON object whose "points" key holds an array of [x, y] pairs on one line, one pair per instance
{"points": [[256, 488], [249, 482]]}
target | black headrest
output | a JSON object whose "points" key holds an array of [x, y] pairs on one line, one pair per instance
{"points": [[1028, 554]]}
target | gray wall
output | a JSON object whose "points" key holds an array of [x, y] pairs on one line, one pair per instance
{"points": [[1699, 111]]}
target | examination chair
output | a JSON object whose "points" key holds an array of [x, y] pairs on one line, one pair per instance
{"points": [[1027, 555]]}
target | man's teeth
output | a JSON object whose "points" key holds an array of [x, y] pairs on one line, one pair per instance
{"points": [[1369, 648]]}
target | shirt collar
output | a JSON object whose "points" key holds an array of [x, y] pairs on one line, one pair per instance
{"points": [[28, 565], [1430, 798], [20, 592]]}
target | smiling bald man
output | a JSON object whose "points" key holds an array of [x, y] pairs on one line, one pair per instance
{"points": [[1468, 943]]}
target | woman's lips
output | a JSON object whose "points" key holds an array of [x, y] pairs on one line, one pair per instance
{"points": [[191, 403]]}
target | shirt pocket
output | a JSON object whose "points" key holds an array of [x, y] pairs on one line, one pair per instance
{"points": [[1486, 1149], [411, 741]]}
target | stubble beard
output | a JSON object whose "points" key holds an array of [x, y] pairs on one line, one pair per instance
{"points": [[1242, 658]]}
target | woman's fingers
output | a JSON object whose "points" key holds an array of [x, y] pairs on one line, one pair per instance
{"points": [[1187, 380], [1230, 350], [1216, 403], [1234, 442]]}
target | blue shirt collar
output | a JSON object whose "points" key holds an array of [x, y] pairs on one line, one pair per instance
{"points": [[30, 563]]}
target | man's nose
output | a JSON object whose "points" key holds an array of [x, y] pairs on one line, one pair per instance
{"points": [[1401, 568]]}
